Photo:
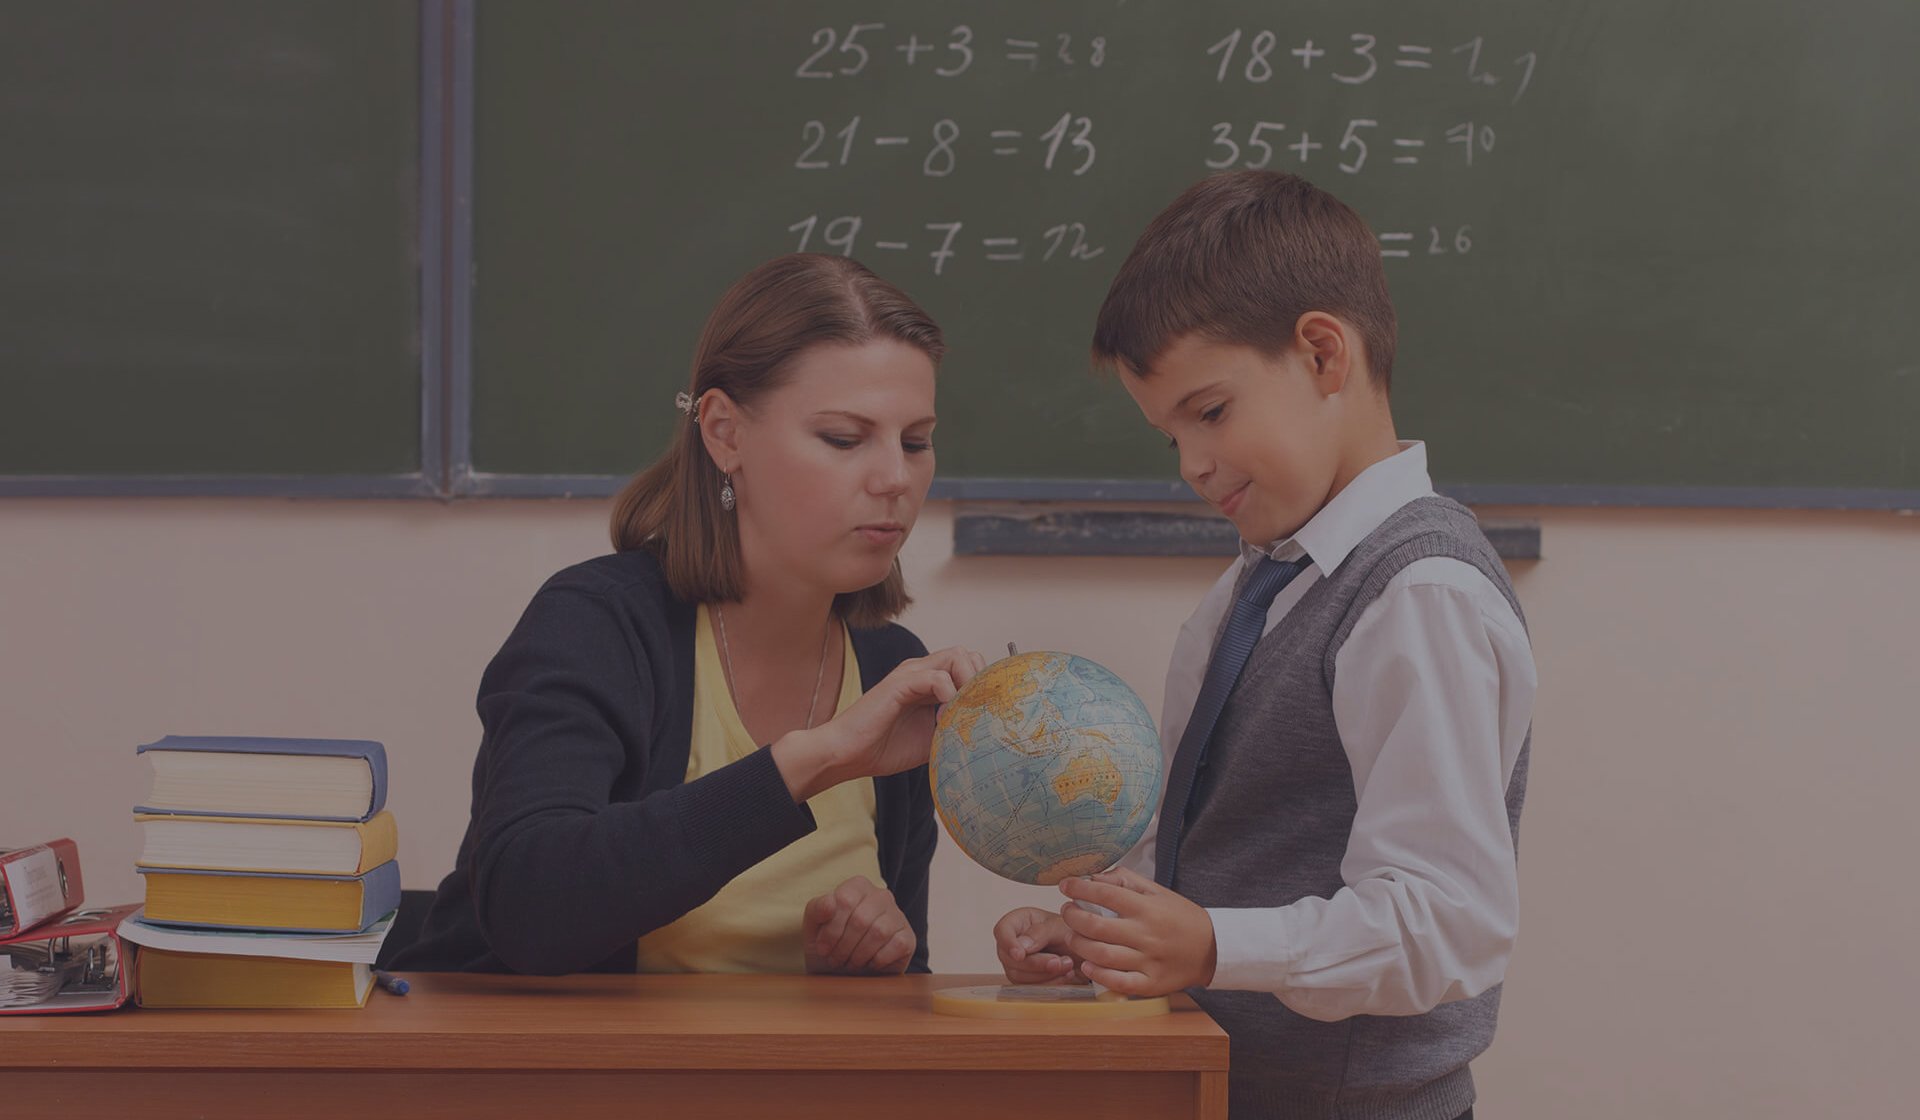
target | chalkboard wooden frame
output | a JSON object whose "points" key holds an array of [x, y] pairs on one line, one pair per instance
{"points": [[1016, 531]]}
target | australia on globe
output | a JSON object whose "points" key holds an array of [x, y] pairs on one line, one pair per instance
{"points": [[1045, 766]]}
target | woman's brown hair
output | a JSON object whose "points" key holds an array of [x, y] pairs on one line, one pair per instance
{"points": [[746, 350]]}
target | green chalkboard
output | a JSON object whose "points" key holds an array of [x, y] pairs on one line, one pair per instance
{"points": [[208, 263], [1637, 247]]}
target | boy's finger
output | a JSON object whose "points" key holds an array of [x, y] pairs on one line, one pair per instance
{"points": [[1113, 979], [1107, 955], [1034, 972], [1119, 899], [1126, 878], [1085, 923], [1025, 925]]}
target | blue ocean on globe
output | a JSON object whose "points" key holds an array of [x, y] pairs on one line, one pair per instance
{"points": [[1046, 766]]}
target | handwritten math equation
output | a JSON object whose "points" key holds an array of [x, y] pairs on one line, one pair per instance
{"points": [[1067, 143], [872, 49], [1258, 57], [942, 241]]}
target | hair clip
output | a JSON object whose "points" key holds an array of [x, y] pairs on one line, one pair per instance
{"points": [[688, 405]]}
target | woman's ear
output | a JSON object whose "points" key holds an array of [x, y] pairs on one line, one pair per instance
{"points": [[720, 430], [1323, 340]]}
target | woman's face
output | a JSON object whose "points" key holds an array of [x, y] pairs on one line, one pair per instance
{"points": [[831, 468]]}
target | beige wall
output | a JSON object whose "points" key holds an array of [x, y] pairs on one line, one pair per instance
{"points": [[1719, 915]]}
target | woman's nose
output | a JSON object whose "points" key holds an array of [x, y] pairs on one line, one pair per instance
{"points": [[891, 474]]}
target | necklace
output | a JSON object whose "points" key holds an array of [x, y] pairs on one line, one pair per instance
{"points": [[726, 654]]}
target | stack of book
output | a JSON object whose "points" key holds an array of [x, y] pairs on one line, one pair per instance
{"points": [[55, 956], [270, 872]]}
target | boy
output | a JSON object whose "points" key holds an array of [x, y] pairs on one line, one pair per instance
{"points": [[1332, 872]]}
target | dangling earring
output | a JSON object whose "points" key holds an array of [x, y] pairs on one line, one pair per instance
{"points": [[726, 493]]}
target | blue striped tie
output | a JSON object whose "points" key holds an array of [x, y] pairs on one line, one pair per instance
{"points": [[1245, 624]]}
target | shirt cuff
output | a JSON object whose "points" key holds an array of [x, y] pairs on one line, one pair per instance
{"points": [[1254, 949]]}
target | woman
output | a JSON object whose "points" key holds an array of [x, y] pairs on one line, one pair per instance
{"points": [[707, 751]]}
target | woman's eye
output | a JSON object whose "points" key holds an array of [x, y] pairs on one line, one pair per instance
{"points": [[1212, 415], [1173, 442], [916, 446], [842, 442]]}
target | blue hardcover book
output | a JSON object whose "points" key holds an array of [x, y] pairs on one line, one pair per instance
{"points": [[234, 776], [271, 902]]}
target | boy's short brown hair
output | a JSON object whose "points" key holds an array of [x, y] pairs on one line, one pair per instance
{"points": [[1238, 258]]}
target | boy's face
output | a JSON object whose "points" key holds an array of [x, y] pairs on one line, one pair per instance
{"points": [[1258, 436]]}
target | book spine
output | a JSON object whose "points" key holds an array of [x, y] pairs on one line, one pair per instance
{"points": [[379, 841], [379, 893], [377, 762]]}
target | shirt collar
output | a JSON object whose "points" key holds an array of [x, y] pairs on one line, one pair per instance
{"points": [[1340, 526]]}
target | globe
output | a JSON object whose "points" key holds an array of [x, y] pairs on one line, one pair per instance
{"points": [[1045, 766]]}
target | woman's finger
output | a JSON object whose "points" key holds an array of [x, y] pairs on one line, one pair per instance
{"points": [[880, 933], [832, 931], [897, 953], [816, 914], [860, 920]]}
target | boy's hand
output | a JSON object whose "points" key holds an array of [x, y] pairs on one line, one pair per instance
{"points": [[857, 930], [1032, 944], [1157, 942]]}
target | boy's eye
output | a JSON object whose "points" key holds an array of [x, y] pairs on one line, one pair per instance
{"points": [[1212, 415], [1173, 442], [914, 447]]}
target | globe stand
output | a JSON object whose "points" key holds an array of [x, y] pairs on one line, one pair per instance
{"points": [[1044, 1001]]}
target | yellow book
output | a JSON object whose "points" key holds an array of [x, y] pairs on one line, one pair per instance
{"points": [[294, 847], [271, 901], [164, 978]]}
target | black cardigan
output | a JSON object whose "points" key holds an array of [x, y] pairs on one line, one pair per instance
{"points": [[584, 832]]}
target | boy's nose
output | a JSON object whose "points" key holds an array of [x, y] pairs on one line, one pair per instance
{"points": [[1195, 469]]}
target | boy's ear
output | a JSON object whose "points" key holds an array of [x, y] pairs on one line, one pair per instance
{"points": [[720, 430], [1323, 340]]}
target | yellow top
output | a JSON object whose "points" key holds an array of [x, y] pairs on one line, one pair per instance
{"points": [[754, 923]]}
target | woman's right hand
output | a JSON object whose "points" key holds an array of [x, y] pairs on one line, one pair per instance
{"points": [[1032, 944], [889, 729]]}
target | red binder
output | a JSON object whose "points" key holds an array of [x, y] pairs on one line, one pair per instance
{"points": [[77, 963], [38, 884]]}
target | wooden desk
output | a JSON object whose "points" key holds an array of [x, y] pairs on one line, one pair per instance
{"points": [[670, 1046]]}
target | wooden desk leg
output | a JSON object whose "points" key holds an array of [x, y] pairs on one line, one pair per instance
{"points": [[1210, 1097]]}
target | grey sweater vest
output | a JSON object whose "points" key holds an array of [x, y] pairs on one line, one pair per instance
{"points": [[1269, 826]]}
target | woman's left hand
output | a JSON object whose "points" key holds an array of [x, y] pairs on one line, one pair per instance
{"points": [[857, 930]]}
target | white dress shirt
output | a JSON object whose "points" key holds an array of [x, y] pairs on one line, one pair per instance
{"points": [[1433, 697]]}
